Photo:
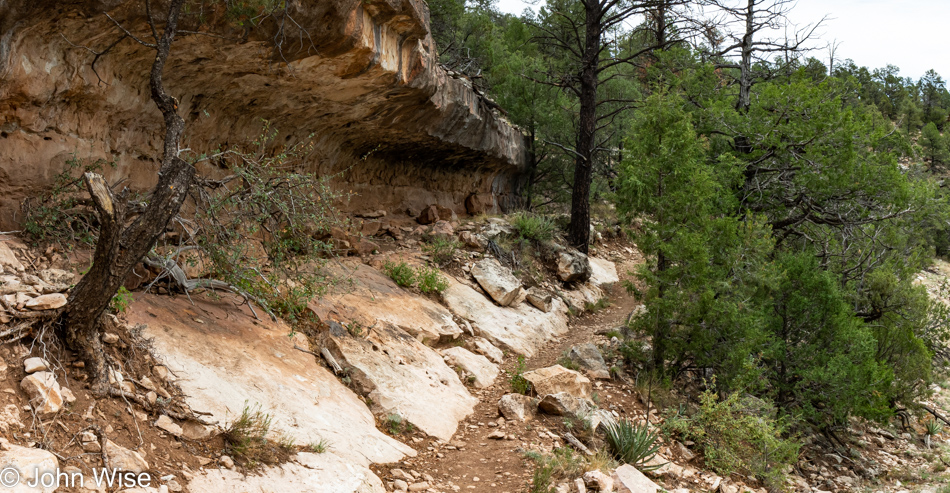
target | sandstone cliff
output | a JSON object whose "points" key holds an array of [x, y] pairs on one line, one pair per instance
{"points": [[361, 77]]}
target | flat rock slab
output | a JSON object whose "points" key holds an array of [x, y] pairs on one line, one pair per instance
{"points": [[27, 461], [602, 272], [373, 297], [627, 479], [484, 371], [305, 473], [226, 361], [521, 329], [556, 379], [402, 376]]}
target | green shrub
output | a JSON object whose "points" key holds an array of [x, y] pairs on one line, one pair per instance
{"points": [[441, 250], [121, 301], [519, 383], [320, 446], [737, 441], [248, 439], [632, 443], [431, 280], [401, 273], [534, 227]]}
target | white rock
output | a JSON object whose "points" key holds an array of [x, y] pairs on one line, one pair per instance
{"points": [[540, 299], [110, 338], [33, 365], [306, 473], [627, 479], [486, 348], [520, 329], [167, 424], [119, 458], [563, 404], [484, 371], [497, 281], [598, 481], [518, 407], [573, 266], [47, 302], [290, 383], [43, 391], [555, 379], [28, 463], [8, 259], [602, 272]]}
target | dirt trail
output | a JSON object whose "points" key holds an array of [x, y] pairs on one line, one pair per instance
{"points": [[472, 461]]}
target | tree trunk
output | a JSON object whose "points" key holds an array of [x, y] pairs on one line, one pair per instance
{"points": [[120, 248], [579, 234], [745, 64]]}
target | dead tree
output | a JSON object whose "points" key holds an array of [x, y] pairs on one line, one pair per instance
{"points": [[123, 243]]}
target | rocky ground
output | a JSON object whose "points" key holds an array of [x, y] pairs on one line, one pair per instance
{"points": [[423, 399]]}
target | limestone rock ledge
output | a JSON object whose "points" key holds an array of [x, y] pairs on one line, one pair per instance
{"points": [[361, 77]]}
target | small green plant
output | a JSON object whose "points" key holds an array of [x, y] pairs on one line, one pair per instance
{"points": [[566, 361], [319, 446], [519, 383], [248, 438], [401, 273], [933, 427], [431, 280], [441, 250], [121, 301], [355, 329], [534, 227], [598, 306], [395, 424], [632, 443]]}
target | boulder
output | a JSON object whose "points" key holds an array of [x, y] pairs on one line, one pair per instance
{"points": [[486, 348], [598, 481], [447, 214], [44, 392], [119, 458], [472, 240], [8, 261], [555, 379], [518, 407], [541, 299], [602, 272], [497, 281], [484, 371], [627, 479], [443, 229], [33, 365], [588, 357], [519, 329], [402, 376], [429, 215], [370, 228], [28, 462], [475, 205], [573, 266], [47, 302], [563, 404], [56, 276]]}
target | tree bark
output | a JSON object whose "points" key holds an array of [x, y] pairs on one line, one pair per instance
{"points": [[579, 234], [745, 64], [120, 247]]}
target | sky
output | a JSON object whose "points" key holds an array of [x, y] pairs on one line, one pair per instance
{"points": [[911, 34]]}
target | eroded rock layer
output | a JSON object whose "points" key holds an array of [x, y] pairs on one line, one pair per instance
{"points": [[359, 79]]}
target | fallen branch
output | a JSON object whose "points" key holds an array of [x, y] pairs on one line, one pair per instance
{"points": [[936, 414], [574, 442]]}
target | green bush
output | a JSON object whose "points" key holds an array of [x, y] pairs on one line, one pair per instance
{"points": [[121, 301], [431, 280], [632, 443], [441, 250], [401, 273], [534, 227], [518, 382], [737, 441]]}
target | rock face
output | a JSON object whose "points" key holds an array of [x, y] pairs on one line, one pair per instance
{"points": [[483, 371], [519, 329], [366, 82], [555, 379], [497, 281], [402, 376], [231, 361], [483, 347]]}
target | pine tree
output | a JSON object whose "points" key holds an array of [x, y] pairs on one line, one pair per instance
{"points": [[933, 145]]}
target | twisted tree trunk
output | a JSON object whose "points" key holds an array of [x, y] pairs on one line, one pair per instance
{"points": [[121, 247]]}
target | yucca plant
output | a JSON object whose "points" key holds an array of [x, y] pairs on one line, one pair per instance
{"points": [[933, 428], [632, 443]]}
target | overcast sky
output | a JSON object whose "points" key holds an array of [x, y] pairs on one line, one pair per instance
{"points": [[873, 33]]}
